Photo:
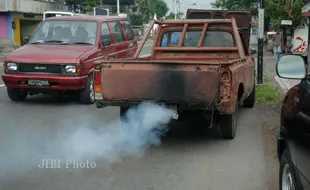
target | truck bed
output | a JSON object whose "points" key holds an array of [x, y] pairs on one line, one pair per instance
{"points": [[167, 82]]}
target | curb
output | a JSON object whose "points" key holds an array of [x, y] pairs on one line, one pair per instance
{"points": [[283, 87]]}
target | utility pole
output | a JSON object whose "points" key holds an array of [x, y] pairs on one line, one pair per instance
{"points": [[175, 9], [260, 57], [179, 10], [117, 4]]}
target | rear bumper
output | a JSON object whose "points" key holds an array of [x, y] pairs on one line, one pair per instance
{"points": [[56, 82], [180, 105]]}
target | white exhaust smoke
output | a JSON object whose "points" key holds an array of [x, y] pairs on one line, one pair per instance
{"points": [[142, 127]]}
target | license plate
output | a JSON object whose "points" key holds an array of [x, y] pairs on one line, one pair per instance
{"points": [[38, 83]]}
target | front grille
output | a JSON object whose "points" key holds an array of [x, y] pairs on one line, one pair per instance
{"points": [[39, 68]]}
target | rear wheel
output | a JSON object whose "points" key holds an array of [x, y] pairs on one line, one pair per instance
{"points": [[87, 95], [228, 124], [250, 101], [16, 94], [286, 172]]}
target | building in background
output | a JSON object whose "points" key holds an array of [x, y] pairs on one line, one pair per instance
{"points": [[19, 18], [301, 33]]}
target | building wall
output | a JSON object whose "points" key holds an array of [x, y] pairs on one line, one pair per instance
{"points": [[300, 39], [300, 35], [30, 6], [24, 25], [10, 29], [4, 26]]}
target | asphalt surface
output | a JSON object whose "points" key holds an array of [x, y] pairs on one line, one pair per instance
{"points": [[190, 158]]}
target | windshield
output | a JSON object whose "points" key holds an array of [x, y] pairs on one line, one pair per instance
{"points": [[171, 39], [66, 32]]}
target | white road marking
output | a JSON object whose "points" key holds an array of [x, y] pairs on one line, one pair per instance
{"points": [[2, 85]]}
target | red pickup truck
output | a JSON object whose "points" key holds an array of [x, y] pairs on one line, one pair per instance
{"points": [[60, 56]]}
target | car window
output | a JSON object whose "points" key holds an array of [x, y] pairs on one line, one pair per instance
{"points": [[117, 32], [212, 39], [170, 39], [66, 32], [129, 32], [105, 34]]}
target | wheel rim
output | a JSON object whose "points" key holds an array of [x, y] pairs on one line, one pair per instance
{"points": [[287, 178], [91, 90]]}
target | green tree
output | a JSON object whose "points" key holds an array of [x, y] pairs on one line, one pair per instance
{"points": [[180, 15], [148, 8], [251, 5], [161, 8], [82, 5], [275, 10], [278, 10]]}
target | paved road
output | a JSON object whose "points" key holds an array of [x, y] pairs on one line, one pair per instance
{"points": [[190, 158]]}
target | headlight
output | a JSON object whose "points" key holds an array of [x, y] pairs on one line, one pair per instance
{"points": [[70, 69], [11, 66]]}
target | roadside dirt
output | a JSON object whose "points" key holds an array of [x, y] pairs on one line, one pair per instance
{"points": [[270, 115]]}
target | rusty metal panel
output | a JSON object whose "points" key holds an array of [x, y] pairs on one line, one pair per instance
{"points": [[243, 20], [161, 82]]}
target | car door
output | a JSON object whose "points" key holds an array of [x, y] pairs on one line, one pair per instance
{"points": [[302, 140], [130, 37], [104, 42], [119, 43]]}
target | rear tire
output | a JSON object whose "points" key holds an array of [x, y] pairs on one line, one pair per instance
{"points": [[16, 94], [87, 94], [286, 173], [250, 101], [229, 124]]}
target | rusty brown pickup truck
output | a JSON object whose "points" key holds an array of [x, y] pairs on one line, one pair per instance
{"points": [[198, 65]]}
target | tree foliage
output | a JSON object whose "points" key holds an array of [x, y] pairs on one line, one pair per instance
{"points": [[278, 10], [82, 5], [161, 8], [180, 15], [148, 8], [251, 5], [275, 10]]}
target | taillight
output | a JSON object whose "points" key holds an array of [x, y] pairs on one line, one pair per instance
{"points": [[98, 84], [97, 78], [225, 76], [225, 88]]}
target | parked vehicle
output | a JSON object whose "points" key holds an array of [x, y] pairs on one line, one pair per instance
{"points": [[206, 72], [60, 56], [294, 136], [50, 14]]}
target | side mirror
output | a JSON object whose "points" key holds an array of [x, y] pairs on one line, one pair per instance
{"points": [[105, 42], [253, 51], [291, 67]]}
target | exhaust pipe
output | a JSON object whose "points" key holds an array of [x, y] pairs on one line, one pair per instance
{"points": [[175, 116]]}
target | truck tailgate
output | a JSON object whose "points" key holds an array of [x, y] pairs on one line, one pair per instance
{"points": [[160, 82]]}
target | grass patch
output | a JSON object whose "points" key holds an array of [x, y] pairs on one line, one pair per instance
{"points": [[267, 93]]}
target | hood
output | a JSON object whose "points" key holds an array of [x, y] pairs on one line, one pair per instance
{"points": [[48, 53]]}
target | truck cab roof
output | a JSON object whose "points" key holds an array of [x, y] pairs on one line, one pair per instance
{"points": [[243, 20]]}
